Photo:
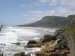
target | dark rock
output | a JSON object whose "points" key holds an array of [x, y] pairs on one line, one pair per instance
{"points": [[20, 54], [69, 35], [32, 42], [47, 38], [72, 19], [28, 55], [33, 45]]}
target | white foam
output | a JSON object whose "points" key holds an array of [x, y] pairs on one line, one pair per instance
{"points": [[8, 38], [31, 50], [11, 34]]}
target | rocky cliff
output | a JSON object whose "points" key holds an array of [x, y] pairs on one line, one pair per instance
{"points": [[69, 34]]}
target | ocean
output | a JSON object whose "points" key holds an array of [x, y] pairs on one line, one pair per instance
{"points": [[10, 34]]}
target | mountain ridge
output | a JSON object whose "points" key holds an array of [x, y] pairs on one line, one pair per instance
{"points": [[49, 21]]}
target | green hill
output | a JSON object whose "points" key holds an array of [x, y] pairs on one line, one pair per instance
{"points": [[50, 21]]}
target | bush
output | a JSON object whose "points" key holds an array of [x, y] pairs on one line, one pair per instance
{"points": [[32, 42], [48, 38]]}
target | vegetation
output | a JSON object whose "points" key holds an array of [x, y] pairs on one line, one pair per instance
{"points": [[63, 43], [50, 21], [47, 38], [20, 54], [0, 54], [66, 34], [71, 30], [32, 42]]}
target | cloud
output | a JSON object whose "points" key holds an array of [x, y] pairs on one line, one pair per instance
{"points": [[69, 3], [22, 5], [66, 3], [31, 5], [47, 1], [50, 2], [65, 8], [37, 15], [62, 11]]}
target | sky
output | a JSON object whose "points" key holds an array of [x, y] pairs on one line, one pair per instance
{"points": [[17, 12]]}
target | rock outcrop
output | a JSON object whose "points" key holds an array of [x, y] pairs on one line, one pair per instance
{"points": [[71, 18], [69, 34], [33, 43]]}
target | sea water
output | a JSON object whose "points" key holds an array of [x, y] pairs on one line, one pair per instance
{"points": [[10, 35]]}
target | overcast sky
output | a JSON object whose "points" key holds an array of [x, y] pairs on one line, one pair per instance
{"points": [[15, 12]]}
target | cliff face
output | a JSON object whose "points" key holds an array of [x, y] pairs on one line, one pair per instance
{"points": [[69, 34], [70, 40], [71, 18]]}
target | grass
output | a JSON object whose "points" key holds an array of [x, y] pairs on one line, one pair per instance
{"points": [[71, 30]]}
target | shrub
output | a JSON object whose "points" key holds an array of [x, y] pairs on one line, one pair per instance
{"points": [[32, 42], [48, 38]]}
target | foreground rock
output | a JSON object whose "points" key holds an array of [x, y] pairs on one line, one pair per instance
{"points": [[33, 43], [20, 54]]}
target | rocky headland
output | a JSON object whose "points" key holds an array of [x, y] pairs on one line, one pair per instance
{"points": [[62, 43]]}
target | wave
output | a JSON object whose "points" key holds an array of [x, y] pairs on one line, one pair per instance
{"points": [[11, 34]]}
